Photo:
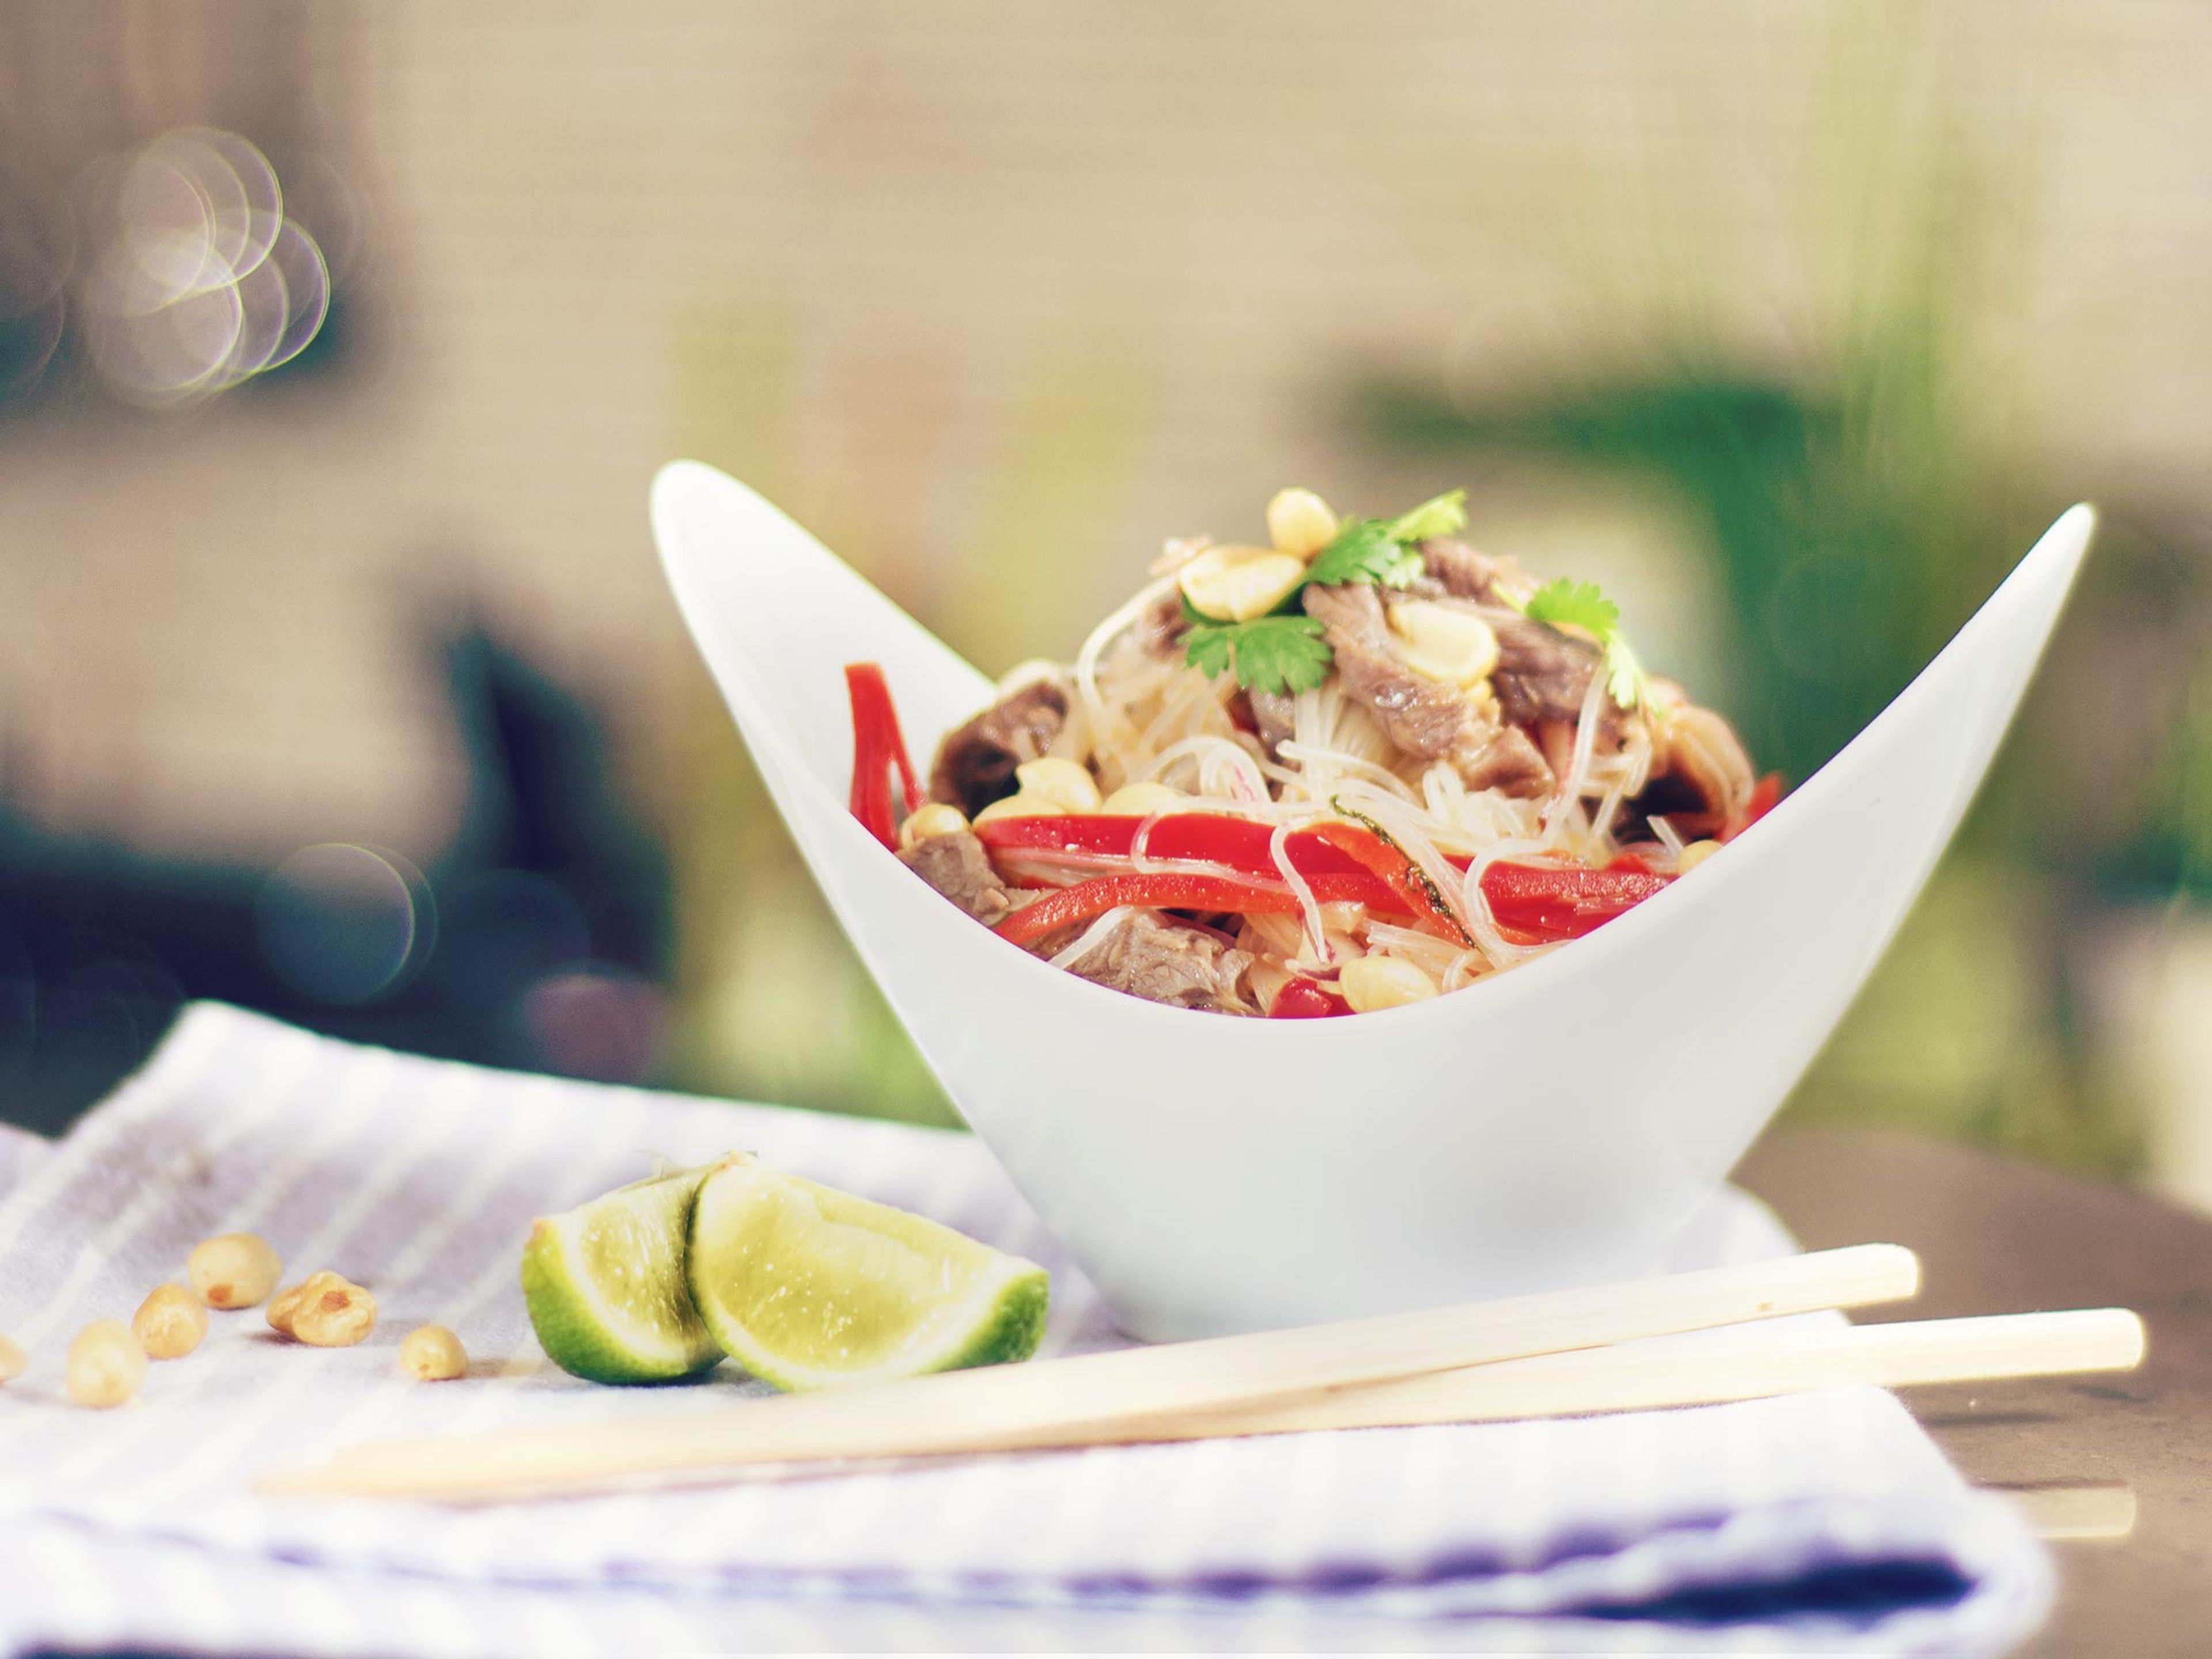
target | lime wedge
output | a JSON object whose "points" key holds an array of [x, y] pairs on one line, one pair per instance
{"points": [[808, 1288], [604, 1283]]}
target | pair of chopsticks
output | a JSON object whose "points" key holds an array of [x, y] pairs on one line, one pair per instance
{"points": [[1560, 1353]]}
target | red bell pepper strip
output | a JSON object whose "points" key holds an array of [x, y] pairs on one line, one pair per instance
{"points": [[1102, 839], [1387, 865], [1764, 794], [1306, 999], [1544, 904], [877, 748], [1172, 890], [1532, 903]]}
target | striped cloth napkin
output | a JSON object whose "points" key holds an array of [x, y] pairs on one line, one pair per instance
{"points": [[1823, 1522]]}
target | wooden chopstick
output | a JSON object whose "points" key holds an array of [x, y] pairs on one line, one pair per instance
{"points": [[1078, 1401], [1750, 1364]]}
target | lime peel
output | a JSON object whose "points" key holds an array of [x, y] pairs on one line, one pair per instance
{"points": [[810, 1288], [605, 1288]]}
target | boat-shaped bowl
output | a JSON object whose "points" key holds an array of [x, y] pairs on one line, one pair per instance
{"points": [[1556, 1124]]}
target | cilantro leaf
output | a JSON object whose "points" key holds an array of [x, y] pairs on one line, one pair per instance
{"points": [[1576, 604], [1285, 651], [1207, 647], [1364, 551], [1584, 605], [1272, 653], [1440, 515]]}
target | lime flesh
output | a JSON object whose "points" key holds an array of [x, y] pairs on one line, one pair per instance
{"points": [[604, 1286], [810, 1288]]}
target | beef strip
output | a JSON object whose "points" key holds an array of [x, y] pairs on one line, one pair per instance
{"points": [[1159, 630], [1512, 765], [1424, 717], [1542, 674], [957, 866], [975, 765], [1161, 961], [1274, 718], [1460, 571]]}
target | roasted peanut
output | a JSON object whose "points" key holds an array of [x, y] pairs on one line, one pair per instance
{"points": [[931, 819], [432, 1353], [169, 1322], [1062, 781], [1695, 854], [234, 1270], [13, 1360], [324, 1311], [1369, 983], [1022, 804], [1440, 643], [1236, 584], [106, 1367], [1299, 523]]}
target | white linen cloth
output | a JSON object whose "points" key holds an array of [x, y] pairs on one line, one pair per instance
{"points": [[1822, 1523]]}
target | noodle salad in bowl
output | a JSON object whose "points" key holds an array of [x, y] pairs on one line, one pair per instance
{"points": [[1353, 769]]}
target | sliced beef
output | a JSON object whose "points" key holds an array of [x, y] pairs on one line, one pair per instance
{"points": [[1161, 961], [957, 866], [1426, 718], [1512, 765], [1274, 718], [975, 765], [1422, 716], [1542, 674], [1159, 630], [1460, 571]]}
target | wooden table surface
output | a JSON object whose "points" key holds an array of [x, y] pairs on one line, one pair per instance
{"points": [[2000, 1236]]}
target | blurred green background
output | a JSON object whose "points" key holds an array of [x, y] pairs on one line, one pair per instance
{"points": [[1792, 326]]}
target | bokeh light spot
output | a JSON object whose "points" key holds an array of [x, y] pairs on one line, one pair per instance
{"points": [[197, 280], [344, 923]]}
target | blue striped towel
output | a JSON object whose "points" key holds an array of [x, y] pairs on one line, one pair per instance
{"points": [[1823, 1522]]}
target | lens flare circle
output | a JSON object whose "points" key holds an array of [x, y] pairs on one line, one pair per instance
{"points": [[198, 280], [344, 923]]}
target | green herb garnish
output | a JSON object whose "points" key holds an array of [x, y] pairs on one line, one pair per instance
{"points": [[1284, 651], [1285, 654], [1440, 515], [1584, 605]]}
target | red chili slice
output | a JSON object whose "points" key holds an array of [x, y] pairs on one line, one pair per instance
{"points": [[879, 749], [1172, 890], [1306, 999], [1544, 904], [1242, 844], [1393, 868]]}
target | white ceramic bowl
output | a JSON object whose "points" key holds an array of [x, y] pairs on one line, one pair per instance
{"points": [[1552, 1127]]}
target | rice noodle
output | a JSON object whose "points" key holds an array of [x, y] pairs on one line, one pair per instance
{"points": [[1586, 723], [1466, 968], [1279, 849], [1432, 956], [1086, 661], [1502, 952], [1367, 771]]}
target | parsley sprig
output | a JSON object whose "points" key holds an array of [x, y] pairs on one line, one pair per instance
{"points": [[1584, 605], [1284, 651]]}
